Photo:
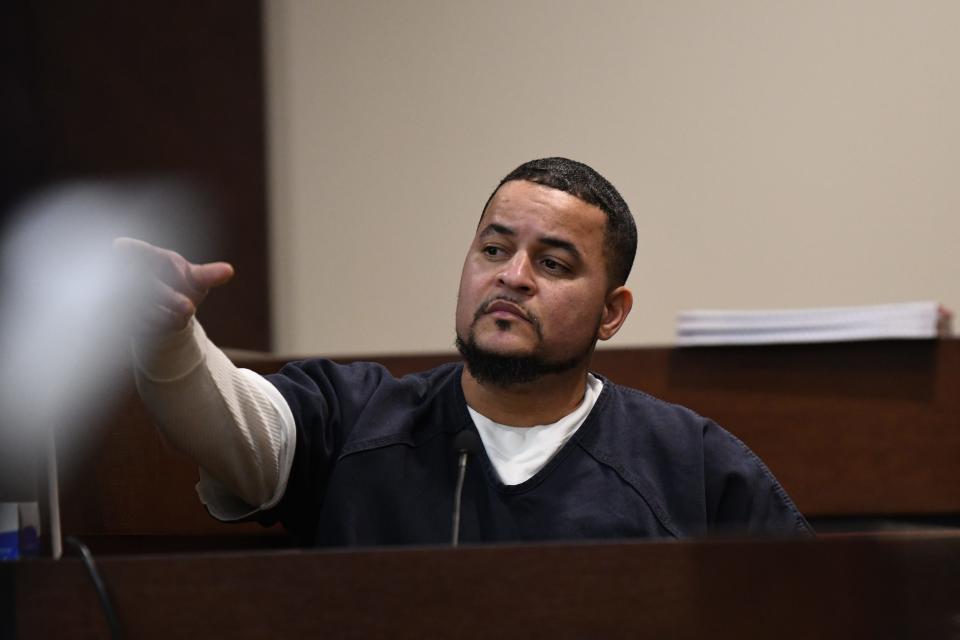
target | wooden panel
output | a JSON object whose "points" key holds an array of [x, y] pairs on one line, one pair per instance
{"points": [[172, 89], [891, 587], [850, 429]]}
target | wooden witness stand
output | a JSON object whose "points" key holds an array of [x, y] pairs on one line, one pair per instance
{"points": [[864, 436], [889, 587]]}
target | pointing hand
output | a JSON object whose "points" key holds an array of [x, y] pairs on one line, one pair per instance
{"points": [[172, 286]]}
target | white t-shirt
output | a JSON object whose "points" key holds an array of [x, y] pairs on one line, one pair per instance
{"points": [[517, 453]]}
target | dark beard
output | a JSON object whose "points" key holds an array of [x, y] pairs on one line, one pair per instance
{"points": [[505, 371]]}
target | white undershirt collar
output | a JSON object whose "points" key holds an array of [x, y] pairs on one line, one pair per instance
{"points": [[517, 453]]}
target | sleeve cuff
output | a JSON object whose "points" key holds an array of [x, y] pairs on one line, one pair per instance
{"points": [[170, 357]]}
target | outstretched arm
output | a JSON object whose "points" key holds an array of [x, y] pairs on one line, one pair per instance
{"points": [[232, 422]]}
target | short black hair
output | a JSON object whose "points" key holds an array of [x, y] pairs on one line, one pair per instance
{"points": [[582, 181]]}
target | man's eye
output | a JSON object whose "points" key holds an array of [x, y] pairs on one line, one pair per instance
{"points": [[552, 265], [492, 251]]}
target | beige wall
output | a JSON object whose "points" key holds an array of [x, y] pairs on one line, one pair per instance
{"points": [[774, 154]]}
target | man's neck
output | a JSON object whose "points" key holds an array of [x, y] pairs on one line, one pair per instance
{"points": [[543, 401]]}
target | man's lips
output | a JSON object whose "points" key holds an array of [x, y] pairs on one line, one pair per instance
{"points": [[505, 309]]}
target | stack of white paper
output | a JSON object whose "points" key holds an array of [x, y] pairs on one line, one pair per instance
{"points": [[831, 324]]}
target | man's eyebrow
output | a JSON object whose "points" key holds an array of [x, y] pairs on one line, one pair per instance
{"points": [[561, 244], [493, 228]]}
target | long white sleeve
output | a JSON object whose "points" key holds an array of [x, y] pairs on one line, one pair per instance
{"points": [[233, 423]]}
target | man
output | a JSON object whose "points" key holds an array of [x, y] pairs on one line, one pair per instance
{"points": [[349, 455]]}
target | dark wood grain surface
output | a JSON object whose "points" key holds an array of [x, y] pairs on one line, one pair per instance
{"points": [[858, 587]]}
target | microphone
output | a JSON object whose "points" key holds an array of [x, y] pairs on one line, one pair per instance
{"points": [[465, 443]]}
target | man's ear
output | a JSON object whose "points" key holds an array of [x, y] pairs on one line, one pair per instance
{"points": [[616, 308]]}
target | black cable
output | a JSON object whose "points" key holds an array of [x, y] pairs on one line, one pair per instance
{"points": [[98, 584]]}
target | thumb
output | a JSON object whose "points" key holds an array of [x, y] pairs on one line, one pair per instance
{"points": [[210, 275]]}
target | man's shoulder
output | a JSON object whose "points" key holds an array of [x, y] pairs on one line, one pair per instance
{"points": [[640, 426], [688, 465], [636, 412], [323, 372], [365, 403]]}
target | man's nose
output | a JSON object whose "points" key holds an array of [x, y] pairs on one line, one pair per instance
{"points": [[517, 274]]}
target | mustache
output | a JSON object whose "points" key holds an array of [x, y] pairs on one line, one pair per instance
{"points": [[484, 308]]}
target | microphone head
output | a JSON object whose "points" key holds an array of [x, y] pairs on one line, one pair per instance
{"points": [[467, 441]]}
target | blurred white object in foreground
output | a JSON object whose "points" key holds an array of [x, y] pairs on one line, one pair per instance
{"points": [[68, 306], [67, 303]]}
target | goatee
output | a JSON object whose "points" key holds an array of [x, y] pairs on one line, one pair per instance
{"points": [[504, 371]]}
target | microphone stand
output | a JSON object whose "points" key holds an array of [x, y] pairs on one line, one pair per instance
{"points": [[461, 472], [465, 443]]}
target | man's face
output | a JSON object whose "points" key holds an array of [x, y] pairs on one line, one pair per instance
{"points": [[534, 281]]}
